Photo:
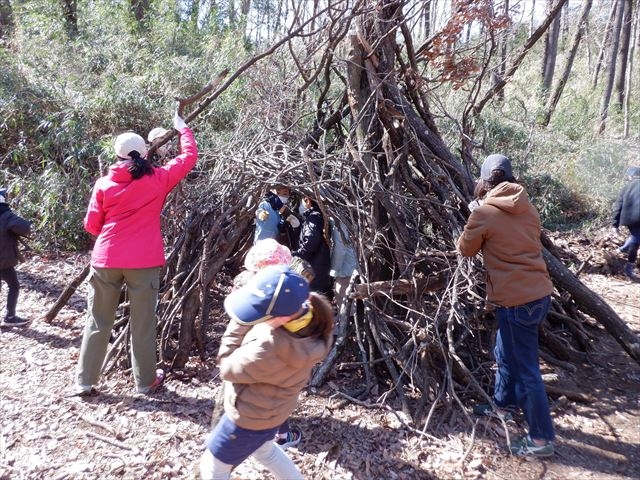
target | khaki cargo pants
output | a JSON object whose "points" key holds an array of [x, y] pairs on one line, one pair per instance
{"points": [[105, 286]]}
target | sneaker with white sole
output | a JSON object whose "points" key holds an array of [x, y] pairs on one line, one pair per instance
{"points": [[14, 321], [293, 438], [526, 447]]}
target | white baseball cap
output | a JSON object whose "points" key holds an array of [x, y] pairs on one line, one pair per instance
{"points": [[156, 133], [128, 142]]}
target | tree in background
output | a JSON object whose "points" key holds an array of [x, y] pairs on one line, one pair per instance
{"points": [[550, 51], [610, 72], [7, 22], [623, 54], [70, 13]]}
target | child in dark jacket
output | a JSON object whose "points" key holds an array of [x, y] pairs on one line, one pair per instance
{"points": [[12, 226], [313, 247], [626, 211]]}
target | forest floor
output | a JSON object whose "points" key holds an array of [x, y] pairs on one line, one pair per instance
{"points": [[123, 435]]}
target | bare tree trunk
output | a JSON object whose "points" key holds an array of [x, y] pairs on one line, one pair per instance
{"points": [[140, 8], [606, 39], [550, 52], [532, 18], [629, 77], [553, 99], [66, 294], [504, 44], [70, 14], [7, 22], [611, 69], [426, 17], [623, 54]]}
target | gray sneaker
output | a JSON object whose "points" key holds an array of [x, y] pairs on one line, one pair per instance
{"points": [[485, 410], [524, 446], [14, 321]]}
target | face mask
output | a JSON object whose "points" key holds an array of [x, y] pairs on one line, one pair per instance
{"points": [[302, 209], [283, 199]]}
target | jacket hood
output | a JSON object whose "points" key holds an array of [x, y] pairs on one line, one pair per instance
{"points": [[508, 197], [119, 172]]}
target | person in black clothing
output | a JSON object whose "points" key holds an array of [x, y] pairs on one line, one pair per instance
{"points": [[11, 227], [626, 211], [313, 246]]}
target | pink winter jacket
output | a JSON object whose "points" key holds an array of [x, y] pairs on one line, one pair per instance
{"points": [[125, 213]]}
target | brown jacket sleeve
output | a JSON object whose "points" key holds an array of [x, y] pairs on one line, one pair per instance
{"points": [[472, 238], [232, 339]]}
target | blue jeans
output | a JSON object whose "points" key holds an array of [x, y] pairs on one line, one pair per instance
{"points": [[518, 379]]}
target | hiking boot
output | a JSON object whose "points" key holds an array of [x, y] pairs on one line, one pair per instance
{"points": [[628, 271], [524, 446], [485, 410], [14, 321], [157, 383], [293, 438]]}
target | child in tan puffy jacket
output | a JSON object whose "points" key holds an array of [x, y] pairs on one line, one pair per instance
{"points": [[277, 333]]}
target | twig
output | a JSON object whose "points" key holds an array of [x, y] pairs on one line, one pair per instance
{"points": [[110, 441], [95, 423]]}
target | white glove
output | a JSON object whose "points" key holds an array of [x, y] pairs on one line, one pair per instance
{"points": [[178, 123], [293, 221], [473, 205], [262, 215]]}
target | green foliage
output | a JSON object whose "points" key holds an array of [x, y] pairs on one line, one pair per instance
{"points": [[560, 208], [62, 101]]}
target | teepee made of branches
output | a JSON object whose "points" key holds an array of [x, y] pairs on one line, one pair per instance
{"points": [[351, 123]]}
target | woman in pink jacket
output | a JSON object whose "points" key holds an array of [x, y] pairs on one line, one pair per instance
{"points": [[124, 214]]}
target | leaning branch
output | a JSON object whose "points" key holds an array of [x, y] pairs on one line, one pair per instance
{"points": [[593, 305], [531, 41]]}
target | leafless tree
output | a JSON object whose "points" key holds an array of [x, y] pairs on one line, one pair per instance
{"points": [[550, 51], [554, 98], [70, 14], [611, 68], [7, 22], [623, 54]]}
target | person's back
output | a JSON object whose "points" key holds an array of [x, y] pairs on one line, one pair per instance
{"points": [[268, 357], [124, 212], [12, 226], [505, 226], [507, 229]]}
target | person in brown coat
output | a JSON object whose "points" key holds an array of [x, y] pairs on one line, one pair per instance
{"points": [[505, 227], [277, 333]]}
